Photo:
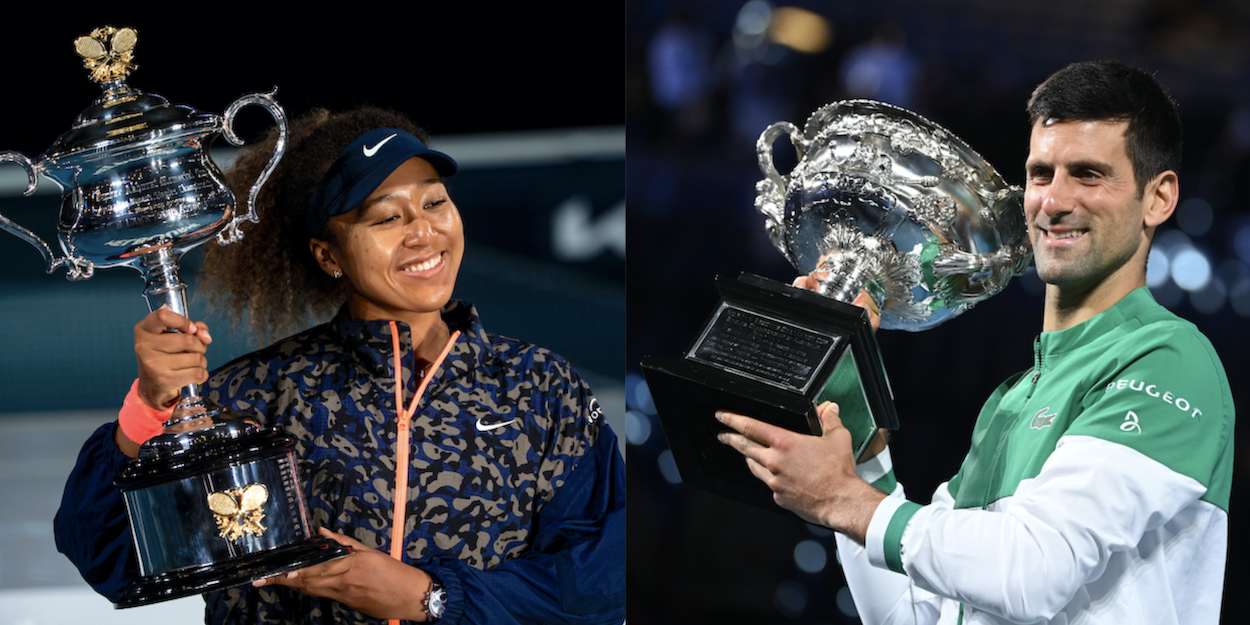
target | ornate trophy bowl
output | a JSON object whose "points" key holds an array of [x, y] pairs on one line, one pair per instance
{"points": [[882, 201], [886, 201], [214, 500]]}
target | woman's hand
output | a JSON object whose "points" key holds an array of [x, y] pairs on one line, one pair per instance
{"points": [[169, 360], [368, 580]]}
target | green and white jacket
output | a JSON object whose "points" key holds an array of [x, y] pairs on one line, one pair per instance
{"points": [[1096, 490]]}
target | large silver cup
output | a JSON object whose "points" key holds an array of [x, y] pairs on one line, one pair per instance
{"points": [[882, 201], [214, 500], [885, 201]]}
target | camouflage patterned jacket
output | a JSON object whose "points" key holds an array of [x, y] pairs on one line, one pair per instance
{"points": [[516, 488]]}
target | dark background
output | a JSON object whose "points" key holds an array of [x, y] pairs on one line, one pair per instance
{"points": [[454, 70], [705, 78]]}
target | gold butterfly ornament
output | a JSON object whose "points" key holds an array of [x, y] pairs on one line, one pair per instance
{"points": [[108, 52], [238, 510]]}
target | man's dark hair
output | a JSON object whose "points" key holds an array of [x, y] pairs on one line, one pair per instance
{"points": [[1113, 91]]}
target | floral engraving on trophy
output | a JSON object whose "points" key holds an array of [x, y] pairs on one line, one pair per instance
{"points": [[867, 158], [936, 211], [238, 511], [906, 138]]}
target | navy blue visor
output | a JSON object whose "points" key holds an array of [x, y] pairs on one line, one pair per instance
{"points": [[362, 167]]}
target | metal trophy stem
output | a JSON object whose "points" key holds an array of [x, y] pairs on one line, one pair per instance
{"points": [[844, 279], [166, 288], [214, 500]]}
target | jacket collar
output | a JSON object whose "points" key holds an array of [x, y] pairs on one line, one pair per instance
{"points": [[369, 342], [1120, 318]]}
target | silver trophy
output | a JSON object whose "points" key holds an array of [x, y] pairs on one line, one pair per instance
{"points": [[882, 201], [214, 500], [886, 201]]}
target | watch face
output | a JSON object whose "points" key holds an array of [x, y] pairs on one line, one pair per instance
{"points": [[436, 605]]}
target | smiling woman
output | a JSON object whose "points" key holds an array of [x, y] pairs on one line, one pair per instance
{"points": [[399, 251], [472, 474]]}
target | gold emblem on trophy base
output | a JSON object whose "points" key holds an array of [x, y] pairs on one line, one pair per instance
{"points": [[238, 510]]}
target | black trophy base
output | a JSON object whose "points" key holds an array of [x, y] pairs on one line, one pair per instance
{"points": [[235, 572], [772, 352], [687, 396]]}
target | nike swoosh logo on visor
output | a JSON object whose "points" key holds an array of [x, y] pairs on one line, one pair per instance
{"points": [[370, 151], [482, 427]]}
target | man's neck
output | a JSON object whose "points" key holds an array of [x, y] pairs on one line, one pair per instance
{"points": [[1067, 306]]}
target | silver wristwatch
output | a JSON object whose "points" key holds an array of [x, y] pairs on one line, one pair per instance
{"points": [[435, 602]]}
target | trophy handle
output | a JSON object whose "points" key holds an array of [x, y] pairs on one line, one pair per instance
{"points": [[79, 269], [975, 277], [231, 232], [764, 149]]}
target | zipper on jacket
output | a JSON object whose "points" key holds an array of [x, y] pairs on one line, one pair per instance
{"points": [[404, 424], [400, 498], [1037, 361]]}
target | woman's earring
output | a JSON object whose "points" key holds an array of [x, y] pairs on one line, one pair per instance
{"points": [[337, 274]]}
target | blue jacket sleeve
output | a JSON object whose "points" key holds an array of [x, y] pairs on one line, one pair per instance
{"points": [[91, 527], [575, 571]]}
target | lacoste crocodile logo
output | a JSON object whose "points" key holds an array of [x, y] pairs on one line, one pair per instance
{"points": [[1043, 420]]}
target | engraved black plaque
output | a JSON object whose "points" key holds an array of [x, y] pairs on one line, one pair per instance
{"points": [[767, 349], [770, 351]]}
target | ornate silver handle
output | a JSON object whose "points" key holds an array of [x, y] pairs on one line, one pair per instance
{"points": [[770, 196], [78, 268], [764, 150], [231, 232]]}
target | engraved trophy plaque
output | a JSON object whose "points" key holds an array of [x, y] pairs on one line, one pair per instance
{"points": [[883, 202], [214, 500]]}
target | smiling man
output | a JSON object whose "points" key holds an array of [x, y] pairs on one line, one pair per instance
{"points": [[1096, 487]]}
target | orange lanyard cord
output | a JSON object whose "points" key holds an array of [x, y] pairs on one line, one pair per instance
{"points": [[401, 446]]}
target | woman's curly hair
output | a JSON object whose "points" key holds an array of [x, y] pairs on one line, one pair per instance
{"points": [[269, 280]]}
